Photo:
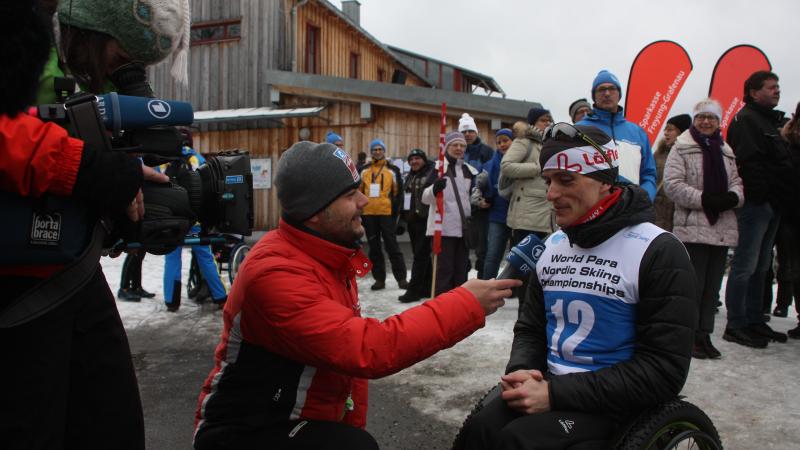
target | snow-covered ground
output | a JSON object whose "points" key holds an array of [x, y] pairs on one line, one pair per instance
{"points": [[749, 394]]}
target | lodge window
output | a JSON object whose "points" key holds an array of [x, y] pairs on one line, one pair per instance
{"points": [[312, 49], [354, 63], [216, 31]]}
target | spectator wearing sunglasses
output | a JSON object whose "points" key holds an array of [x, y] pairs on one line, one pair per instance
{"points": [[636, 163], [608, 328]]}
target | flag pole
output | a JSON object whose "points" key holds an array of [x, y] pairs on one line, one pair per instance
{"points": [[439, 218]]}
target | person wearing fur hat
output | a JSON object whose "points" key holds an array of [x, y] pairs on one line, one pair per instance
{"points": [[620, 287], [294, 314], [416, 219], [528, 211], [456, 185], [637, 165], [476, 155], [663, 204], [700, 176], [381, 184]]}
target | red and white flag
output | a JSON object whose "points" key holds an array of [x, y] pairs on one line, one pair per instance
{"points": [[437, 222]]}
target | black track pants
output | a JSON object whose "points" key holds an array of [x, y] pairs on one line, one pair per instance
{"points": [[496, 427]]}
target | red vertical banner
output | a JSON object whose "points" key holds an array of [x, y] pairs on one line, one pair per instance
{"points": [[437, 223], [657, 76], [730, 73]]}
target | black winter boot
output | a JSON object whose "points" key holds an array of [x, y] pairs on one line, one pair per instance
{"points": [[174, 303]]}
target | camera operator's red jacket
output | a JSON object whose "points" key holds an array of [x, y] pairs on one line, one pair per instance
{"points": [[38, 157], [294, 344]]}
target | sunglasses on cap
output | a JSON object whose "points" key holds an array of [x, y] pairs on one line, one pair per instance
{"points": [[569, 131]]}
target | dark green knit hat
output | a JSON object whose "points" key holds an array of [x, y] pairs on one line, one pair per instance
{"points": [[149, 30]]}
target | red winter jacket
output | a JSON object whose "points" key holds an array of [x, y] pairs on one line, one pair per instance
{"points": [[37, 157], [294, 344]]}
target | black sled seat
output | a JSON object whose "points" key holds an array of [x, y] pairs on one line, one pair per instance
{"points": [[675, 424]]}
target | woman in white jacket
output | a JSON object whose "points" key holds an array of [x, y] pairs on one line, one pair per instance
{"points": [[700, 176], [453, 262]]}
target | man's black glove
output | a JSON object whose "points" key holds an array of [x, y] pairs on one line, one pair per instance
{"points": [[719, 202], [439, 185]]}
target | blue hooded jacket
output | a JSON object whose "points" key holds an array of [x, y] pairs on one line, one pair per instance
{"points": [[634, 148], [477, 154], [498, 212]]}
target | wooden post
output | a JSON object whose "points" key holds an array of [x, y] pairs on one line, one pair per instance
{"points": [[433, 276]]}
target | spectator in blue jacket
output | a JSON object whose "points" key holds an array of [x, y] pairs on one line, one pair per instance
{"points": [[499, 232], [636, 163]]}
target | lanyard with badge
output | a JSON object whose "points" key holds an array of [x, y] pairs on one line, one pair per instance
{"points": [[375, 188]]}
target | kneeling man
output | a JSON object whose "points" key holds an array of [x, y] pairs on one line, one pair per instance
{"points": [[290, 371]]}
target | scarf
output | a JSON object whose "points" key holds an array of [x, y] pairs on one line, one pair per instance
{"points": [[600, 208], [715, 178]]}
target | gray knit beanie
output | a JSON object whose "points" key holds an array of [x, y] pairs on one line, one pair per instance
{"points": [[311, 176]]}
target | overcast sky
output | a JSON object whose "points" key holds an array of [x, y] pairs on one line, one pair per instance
{"points": [[550, 51]]}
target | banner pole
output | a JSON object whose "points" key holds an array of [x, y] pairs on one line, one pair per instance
{"points": [[439, 219]]}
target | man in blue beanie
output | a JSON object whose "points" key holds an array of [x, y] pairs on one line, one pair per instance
{"points": [[381, 184], [637, 165], [335, 139]]}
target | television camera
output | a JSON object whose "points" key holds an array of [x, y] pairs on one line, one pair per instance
{"points": [[219, 195]]}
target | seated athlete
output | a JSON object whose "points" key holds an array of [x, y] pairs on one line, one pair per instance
{"points": [[608, 330]]}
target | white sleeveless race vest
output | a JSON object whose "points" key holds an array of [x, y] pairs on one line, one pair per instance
{"points": [[590, 298]]}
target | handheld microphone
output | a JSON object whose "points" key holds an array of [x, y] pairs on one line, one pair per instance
{"points": [[522, 258], [125, 112]]}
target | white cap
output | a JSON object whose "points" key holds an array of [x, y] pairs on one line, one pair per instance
{"points": [[466, 123], [708, 105]]}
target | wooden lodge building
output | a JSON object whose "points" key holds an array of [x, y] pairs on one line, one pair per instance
{"points": [[264, 74]]}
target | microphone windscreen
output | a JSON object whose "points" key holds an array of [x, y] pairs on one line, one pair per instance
{"points": [[524, 255], [125, 112]]}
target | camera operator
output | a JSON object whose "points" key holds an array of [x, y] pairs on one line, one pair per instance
{"points": [[69, 379], [83, 27]]}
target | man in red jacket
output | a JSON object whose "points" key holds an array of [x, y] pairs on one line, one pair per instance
{"points": [[291, 368]]}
